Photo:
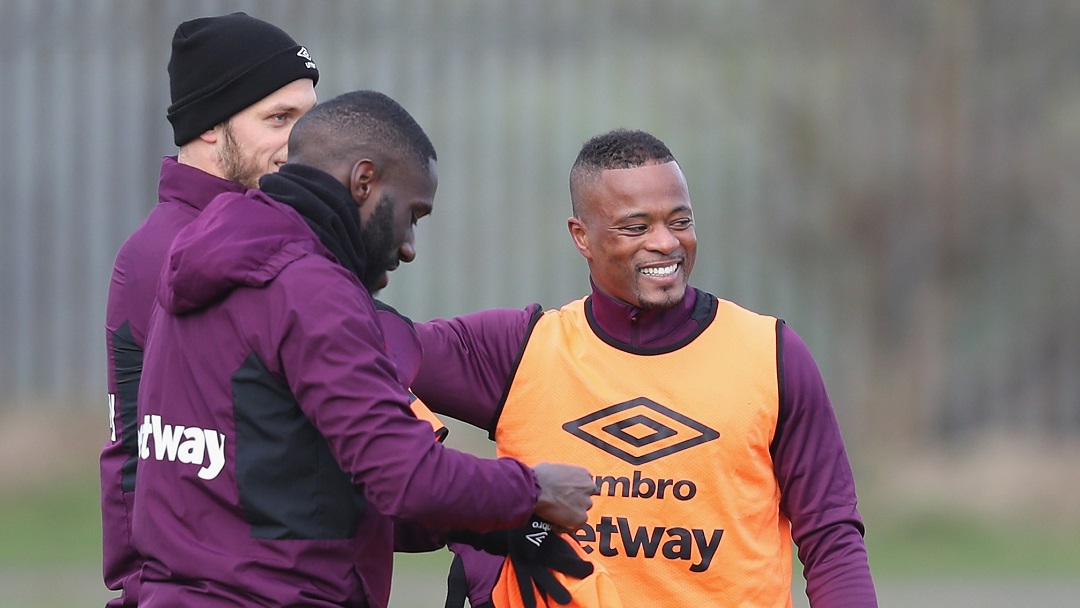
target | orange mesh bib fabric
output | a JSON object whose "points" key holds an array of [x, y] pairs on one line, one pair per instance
{"points": [[422, 412], [688, 512]]}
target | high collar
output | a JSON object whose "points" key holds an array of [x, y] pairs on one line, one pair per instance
{"points": [[326, 205], [638, 327], [191, 186]]}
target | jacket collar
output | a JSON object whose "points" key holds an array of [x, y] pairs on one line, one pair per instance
{"points": [[190, 186], [638, 327]]}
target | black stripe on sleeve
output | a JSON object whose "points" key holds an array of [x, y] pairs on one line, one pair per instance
{"points": [[128, 358], [781, 406], [537, 313]]}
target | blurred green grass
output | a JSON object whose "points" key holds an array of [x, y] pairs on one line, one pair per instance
{"points": [[48, 523], [935, 543], [57, 523]]}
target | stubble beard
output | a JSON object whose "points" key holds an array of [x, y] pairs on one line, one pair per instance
{"points": [[659, 298], [235, 166], [378, 240], [667, 299]]}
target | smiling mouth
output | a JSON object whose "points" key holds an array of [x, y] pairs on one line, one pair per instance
{"points": [[660, 271]]}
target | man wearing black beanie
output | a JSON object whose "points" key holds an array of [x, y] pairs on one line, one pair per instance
{"points": [[237, 84]]}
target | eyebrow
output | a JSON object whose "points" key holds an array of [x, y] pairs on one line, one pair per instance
{"points": [[280, 108], [641, 214]]}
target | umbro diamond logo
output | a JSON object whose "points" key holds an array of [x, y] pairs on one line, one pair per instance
{"points": [[537, 538], [303, 52], [640, 431]]}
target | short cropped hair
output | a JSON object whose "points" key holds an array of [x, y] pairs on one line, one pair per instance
{"points": [[355, 124], [618, 149]]}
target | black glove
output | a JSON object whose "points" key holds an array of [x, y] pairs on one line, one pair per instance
{"points": [[535, 550], [539, 552]]}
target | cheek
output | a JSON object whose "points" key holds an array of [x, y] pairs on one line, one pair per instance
{"points": [[403, 229], [274, 143], [690, 245], [623, 255], [618, 264]]}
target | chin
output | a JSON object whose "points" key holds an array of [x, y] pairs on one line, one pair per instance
{"points": [[376, 284], [664, 299]]}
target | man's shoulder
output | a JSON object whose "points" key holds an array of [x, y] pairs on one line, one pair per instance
{"points": [[313, 281], [706, 299], [142, 254], [491, 326], [162, 223]]}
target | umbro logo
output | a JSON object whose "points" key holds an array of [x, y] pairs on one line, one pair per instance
{"points": [[303, 52], [640, 431], [537, 538]]}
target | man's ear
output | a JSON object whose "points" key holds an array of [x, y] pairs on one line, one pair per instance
{"points": [[580, 236], [362, 181], [211, 136]]}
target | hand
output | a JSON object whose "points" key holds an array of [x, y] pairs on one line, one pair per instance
{"points": [[566, 493]]}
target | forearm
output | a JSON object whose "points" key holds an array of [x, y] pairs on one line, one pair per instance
{"points": [[407, 475], [348, 388], [818, 487], [414, 538], [836, 568], [468, 361]]}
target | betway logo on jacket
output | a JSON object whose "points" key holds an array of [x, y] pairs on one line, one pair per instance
{"points": [[613, 536], [192, 445]]}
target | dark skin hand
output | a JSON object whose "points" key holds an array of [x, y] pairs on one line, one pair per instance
{"points": [[566, 493]]}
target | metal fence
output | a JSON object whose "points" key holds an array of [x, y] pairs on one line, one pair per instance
{"points": [[897, 180]]}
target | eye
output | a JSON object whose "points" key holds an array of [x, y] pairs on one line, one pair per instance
{"points": [[683, 223], [634, 229], [416, 215]]}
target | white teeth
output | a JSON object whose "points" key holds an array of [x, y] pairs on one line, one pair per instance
{"points": [[663, 271]]}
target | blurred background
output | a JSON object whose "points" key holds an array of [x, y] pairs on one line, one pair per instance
{"points": [[899, 181]]}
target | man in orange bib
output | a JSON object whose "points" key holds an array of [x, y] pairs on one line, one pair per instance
{"points": [[707, 426]]}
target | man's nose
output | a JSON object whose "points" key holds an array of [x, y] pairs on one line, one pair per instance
{"points": [[407, 252], [663, 240]]}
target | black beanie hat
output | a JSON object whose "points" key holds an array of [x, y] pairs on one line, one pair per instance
{"points": [[221, 65]]}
